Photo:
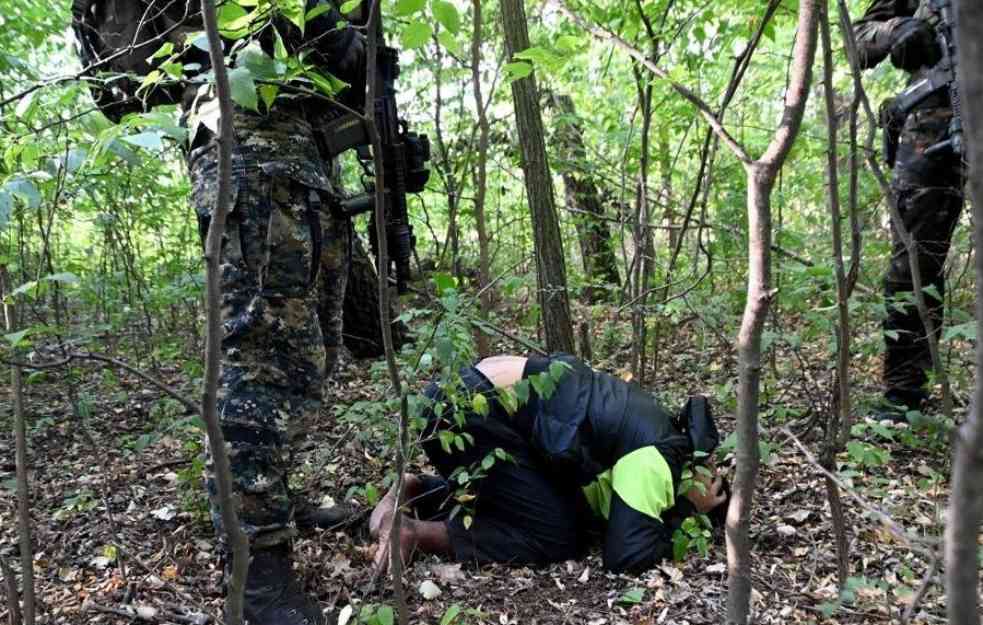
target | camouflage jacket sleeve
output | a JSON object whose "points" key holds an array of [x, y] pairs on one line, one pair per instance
{"points": [[873, 31]]}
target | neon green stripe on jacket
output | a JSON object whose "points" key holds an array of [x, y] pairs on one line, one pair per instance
{"points": [[642, 479]]}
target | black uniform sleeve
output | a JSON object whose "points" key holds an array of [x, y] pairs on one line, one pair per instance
{"points": [[339, 50], [874, 30], [634, 541]]}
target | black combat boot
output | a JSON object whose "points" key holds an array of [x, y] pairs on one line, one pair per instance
{"points": [[273, 593]]}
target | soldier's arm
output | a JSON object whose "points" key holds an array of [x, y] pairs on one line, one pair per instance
{"points": [[341, 49], [875, 31]]}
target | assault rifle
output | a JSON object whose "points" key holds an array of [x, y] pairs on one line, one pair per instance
{"points": [[941, 78], [404, 157]]}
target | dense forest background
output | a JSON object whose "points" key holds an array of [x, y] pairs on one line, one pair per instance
{"points": [[100, 265]]}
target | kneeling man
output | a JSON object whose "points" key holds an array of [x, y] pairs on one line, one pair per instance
{"points": [[596, 452]]}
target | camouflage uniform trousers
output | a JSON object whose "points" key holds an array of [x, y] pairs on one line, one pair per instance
{"points": [[278, 235], [928, 191]]}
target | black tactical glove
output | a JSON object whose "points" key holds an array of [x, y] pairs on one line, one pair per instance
{"points": [[913, 45]]}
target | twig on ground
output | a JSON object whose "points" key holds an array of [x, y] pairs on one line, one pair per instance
{"points": [[922, 545], [13, 600], [149, 613], [927, 580]]}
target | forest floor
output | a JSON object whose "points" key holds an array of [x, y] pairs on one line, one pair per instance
{"points": [[118, 516]]}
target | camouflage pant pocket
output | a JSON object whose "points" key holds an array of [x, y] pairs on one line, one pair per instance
{"points": [[277, 235]]}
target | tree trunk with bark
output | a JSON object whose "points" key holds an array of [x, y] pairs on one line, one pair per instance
{"points": [[481, 180], [362, 332], [24, 543], [966, 499], [550, 264], [841, 399], [761, 176], [238, 544], [584, 198]]}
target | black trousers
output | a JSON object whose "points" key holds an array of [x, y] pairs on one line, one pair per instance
{"points": [[928, 192], [522, 514]]}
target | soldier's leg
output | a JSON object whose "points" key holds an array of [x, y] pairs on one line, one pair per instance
{"points": [[929, 200], [271, 375]]}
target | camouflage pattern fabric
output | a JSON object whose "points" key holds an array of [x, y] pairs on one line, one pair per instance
{"points": [[928, 192], [273, 351]]}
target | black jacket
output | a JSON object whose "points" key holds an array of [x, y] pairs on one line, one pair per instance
{"points": [[590, 422]]}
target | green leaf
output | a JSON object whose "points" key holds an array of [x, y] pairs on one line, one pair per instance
{"points": [[764, 450], [409, 7], [965, 331], [260, 64], [446, 438], [317, 11], [243, 88], [446, 39], [25, 107], [198, 39], [680, 545], [147, 140], [371, 494], [233, 22], [15, 338], [295, 11], [450, 616], [521, 389], [326, 83], [385, 615], [632, 597], [279, 49], [6, 206], [267, 94], [569, 43], [25, 189], [558, 369], [508, 399], [444, 282], [166, 50], [517, 70], [446, 13], [488, 462], [856, 451], [349, 6], [415, 35], [480, 404]]}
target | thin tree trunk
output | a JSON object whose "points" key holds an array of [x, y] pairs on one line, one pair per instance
{"points": [[582, 194], [374, 27], [13, 601], [642, 236], [20, 462], [550, 263], [966, 499], [841, 402], [761, 180], [213, 326], [481, 180]]}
